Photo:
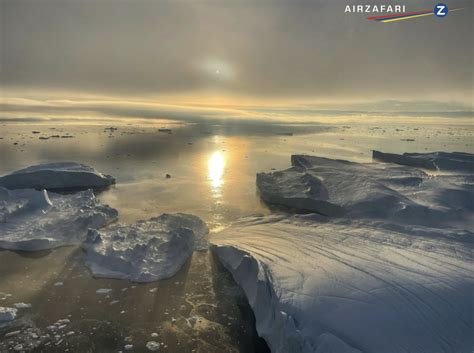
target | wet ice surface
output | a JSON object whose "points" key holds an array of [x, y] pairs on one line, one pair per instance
{"points": [[212, 175]]}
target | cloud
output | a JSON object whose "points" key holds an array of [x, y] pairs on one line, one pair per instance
{"points": [[266, 49], [36, 110]]}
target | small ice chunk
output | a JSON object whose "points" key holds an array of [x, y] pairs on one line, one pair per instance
{"points": [[22, 305], [63, 321], [12, 333], [59, 284], [152, 345], [103, 291], [7, 314], [128, 347]]}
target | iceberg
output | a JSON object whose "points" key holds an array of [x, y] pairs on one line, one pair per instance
{"points": [[146, 250], [338, 188], [57, 176], [441, 161], [352, 285], [33, 220]]}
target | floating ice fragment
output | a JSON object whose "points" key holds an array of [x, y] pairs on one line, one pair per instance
{"points": [[146, 250], [152, 345], [57, 176], [36, 220]]}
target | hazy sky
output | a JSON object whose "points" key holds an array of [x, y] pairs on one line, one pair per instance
{"points": [[243, 50]]}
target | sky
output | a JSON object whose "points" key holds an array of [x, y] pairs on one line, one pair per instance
{"points": [[242, 58]]}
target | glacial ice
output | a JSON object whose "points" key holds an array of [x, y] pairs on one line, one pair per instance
{"points": [[339, 188], [353, 286], [57, 176], [383, 262], [36, 220], [146, 250], [441, 161]]}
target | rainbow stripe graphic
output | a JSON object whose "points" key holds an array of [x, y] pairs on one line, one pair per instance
{"points": [[405, 15]]}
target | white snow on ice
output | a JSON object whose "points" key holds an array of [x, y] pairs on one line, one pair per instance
{"points": [[57, 176], [36, 220], [386, 265], [146, 250], [353, 285], [369, 190]]}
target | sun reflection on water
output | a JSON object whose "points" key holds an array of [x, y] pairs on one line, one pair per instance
{"points": [[215, 167]]}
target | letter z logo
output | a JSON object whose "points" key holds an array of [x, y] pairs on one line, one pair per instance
{"points": [[440, 10]]}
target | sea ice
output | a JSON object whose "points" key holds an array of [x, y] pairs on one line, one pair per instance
{"points": [[383, 263], [339, 188], [146, 250], [442, 161], [57, 176], [36, 220], [349, 286]]}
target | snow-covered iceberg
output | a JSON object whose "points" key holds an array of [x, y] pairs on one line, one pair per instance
{"points": [[146, 250], [36, 220], [442, 161], [340, 286], [57, 176], [339, 188]]}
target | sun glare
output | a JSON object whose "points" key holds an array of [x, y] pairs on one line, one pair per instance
{"points": [[216, 166]]}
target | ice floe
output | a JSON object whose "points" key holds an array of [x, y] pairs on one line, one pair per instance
{"points": [[339, 188], [382, 262], [146, 250], [37, 220], [442, 161], [57, 176], [353, 286]]}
